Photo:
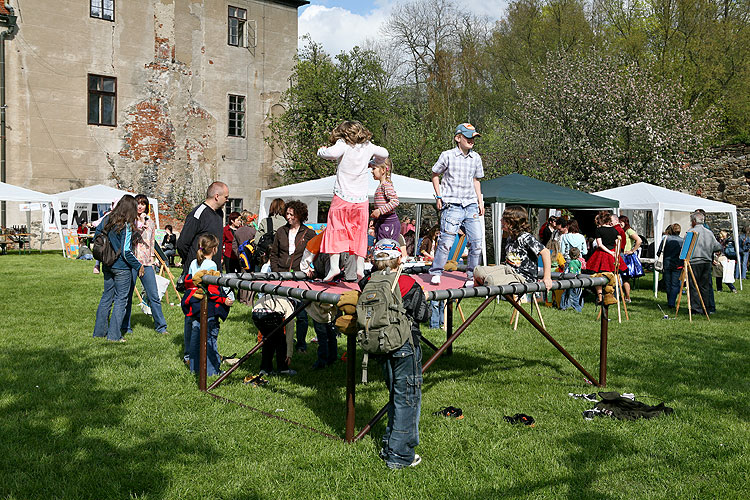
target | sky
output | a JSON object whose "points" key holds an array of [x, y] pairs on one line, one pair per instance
{"points": [[339, 25]]}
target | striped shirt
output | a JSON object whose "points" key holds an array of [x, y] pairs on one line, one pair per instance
{"points": [[386, 199], [459, 172]]}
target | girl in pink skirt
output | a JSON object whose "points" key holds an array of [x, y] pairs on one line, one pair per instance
{"points": [[348, 216]]}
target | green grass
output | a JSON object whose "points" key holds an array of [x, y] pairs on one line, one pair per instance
{"points": [[83, 418]]}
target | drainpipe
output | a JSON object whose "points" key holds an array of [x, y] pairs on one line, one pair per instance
{"points": [[8, 21]]}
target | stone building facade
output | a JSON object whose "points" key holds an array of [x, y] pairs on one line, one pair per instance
{"points": [[154, 96], [727, 179]]}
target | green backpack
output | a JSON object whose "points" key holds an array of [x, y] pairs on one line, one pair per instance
{"points": [[384, 326]]}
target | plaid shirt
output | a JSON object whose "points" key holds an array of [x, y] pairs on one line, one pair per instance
{"points": [[459, 172]]}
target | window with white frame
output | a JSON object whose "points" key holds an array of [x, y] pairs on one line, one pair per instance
{"points": [[236, 115], [236, 25], [102, 9]]}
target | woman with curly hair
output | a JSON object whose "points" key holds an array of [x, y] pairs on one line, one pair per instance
{"points": [[286, 254]]}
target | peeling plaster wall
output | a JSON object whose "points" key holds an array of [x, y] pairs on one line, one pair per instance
{"points": [[174, 73]]}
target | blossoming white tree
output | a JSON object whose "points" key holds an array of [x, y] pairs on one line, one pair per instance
{"points": [[592, 123]]}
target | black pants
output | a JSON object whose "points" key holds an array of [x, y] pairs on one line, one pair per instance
{"points": [[274, 344], [720, 281], [703, 275]]}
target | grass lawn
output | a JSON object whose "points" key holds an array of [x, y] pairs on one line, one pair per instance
{"points": [[83, 418]]}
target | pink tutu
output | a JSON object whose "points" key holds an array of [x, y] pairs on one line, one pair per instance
{"points": [[346, 230]]}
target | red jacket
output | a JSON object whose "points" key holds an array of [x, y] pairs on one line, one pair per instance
{"points": [[228, 239]]}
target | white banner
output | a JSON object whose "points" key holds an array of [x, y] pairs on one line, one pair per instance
{"points": [[82, 214]]}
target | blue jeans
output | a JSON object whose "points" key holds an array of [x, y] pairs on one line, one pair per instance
{"points": [[452, 218], [117, 296], [213, 360], [572, 297], [187, 335], [327, 348], [672, 283], [437, 315], [152, 298], [743, 260], [402, 371]]}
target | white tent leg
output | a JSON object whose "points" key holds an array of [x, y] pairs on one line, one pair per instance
{"points": [[417, 228]]}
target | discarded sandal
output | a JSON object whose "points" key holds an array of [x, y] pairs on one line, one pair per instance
{"points": [[450, 411], [520, 418]]}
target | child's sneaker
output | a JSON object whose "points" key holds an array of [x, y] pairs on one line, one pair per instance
{"points": [[435, 280], [289, 372], [255, 381]]}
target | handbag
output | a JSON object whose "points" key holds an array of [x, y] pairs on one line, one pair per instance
{"points": [[635, 268], [659, 262]]}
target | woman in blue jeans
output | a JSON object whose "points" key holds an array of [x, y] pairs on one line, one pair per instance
{"points": [[119, 278], [144, 252]]}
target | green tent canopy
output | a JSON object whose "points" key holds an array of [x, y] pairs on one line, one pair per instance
{"points": [[517, 189]]}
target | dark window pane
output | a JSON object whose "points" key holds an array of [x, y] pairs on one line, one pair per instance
{"points": [[93, 82], [108, 110], [108, 84], [93, 108]]}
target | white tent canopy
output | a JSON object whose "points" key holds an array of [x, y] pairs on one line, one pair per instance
{"points": [[98, 193], [9, 192], [644, 196], [311, 192]]}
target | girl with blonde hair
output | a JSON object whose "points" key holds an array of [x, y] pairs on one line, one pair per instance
{"points": [[347, 223]]}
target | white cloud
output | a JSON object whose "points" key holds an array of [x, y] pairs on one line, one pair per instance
{"points": [[339, 29]]}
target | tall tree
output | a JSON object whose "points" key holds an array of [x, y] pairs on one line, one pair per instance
{"points": [[323, 93]]}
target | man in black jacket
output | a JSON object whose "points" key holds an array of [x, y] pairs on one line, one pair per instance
{"points": [[208, 217]]}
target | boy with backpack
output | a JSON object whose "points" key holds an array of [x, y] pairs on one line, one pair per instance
{"points": [[389, 311]]}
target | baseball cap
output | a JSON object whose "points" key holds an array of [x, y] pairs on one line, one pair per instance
{"points": [[388, 247], [467, 130]]}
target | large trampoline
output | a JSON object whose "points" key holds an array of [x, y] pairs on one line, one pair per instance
{"points": [[296, 285]]}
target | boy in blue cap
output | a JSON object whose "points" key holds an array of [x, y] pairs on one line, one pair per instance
{"points": [[459, 200]]}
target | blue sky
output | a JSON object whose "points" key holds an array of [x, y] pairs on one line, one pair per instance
{"points": [[339, 25]]}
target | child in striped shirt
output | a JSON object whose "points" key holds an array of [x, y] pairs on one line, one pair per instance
{"points": [[387, 225]]}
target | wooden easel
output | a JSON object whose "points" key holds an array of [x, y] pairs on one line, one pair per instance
{"points": [[685, 254], [515, 314], [163, 269], [458, 249], [618, 287]]}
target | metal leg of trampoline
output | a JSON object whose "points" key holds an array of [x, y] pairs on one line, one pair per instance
{"points": [[546, 334], [429, 362]]}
